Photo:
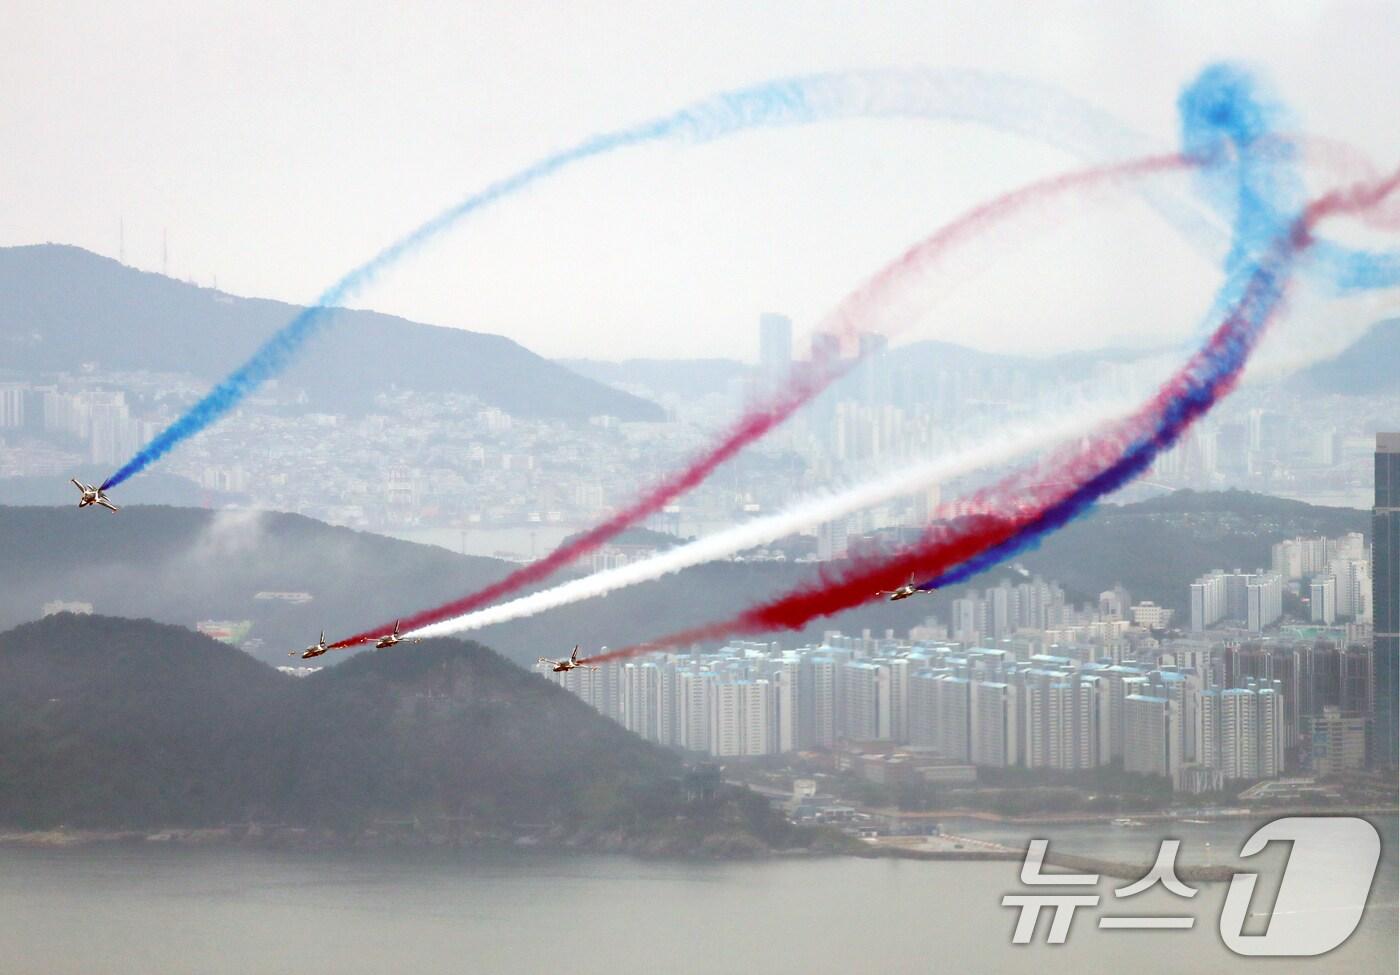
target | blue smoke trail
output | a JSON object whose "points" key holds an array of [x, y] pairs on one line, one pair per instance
{"points": [[1222, 111], [1035, 111], [1201, 394]]}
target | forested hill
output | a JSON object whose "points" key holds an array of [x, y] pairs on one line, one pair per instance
{"points": [[115, 723], [1156, 548]]}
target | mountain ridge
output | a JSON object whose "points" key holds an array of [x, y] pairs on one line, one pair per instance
{"points": [[181, 565], [63, 306], [129, 726]]}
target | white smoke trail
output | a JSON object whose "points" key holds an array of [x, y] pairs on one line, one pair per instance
{"points": [[986, 452]]}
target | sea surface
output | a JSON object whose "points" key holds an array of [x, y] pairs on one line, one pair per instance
{"points": [[154, 910]]}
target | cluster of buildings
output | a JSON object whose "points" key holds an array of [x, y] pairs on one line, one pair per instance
{"points": [[98, 421], [1021, 678], [1024, 680], [1331, 575], [1334, 574], [1252, 599], [1268, 439], [449, 462]]}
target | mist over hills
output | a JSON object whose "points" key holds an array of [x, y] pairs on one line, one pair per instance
{"points": [[181, 565], [61, 307], [1366, 367], [1370, 365], [908, 368], [684, 377]]}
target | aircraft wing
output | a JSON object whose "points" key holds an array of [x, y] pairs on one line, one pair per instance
{"points": [[107, 504]]}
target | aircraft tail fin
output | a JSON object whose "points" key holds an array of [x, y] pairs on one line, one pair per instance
{"points": [[574, 656]]}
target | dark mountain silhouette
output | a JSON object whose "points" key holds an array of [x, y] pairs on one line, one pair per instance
{"points": [[63, 306], [128, 724]]}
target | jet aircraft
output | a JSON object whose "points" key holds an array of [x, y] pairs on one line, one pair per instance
{"points": [[315, 650], [560, 666], [87, 494], [903, 592], [389, 639]]}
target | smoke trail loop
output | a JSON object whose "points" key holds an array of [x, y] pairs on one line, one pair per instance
{"points": [[1035, 111]]}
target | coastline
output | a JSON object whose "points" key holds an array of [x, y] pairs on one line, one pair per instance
{"points": [[945, 847]]}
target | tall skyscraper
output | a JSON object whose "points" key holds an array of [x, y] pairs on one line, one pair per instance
{"points": [[1207, 601], [1322, 600], [874, 372], [995, 732], [1150, 735], [953, 717], [862, 693], [774, 345], [1385, 599], [824, 702]]}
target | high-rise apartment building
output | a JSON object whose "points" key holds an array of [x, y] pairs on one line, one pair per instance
{"points": [[1150, 736], [1252, 598], [995, 728], [1385, 599], [1322, 600]]}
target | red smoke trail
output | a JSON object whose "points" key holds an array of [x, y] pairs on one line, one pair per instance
{"points": [[1027, 497], [942, 546], [805, 383]]}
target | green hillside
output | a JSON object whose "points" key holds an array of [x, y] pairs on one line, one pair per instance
{"points": [[127, 724]]}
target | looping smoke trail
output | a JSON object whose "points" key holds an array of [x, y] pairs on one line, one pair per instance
{"points": [[953, 552], [1225, 115], [978, 454], [1035, 111], [805, 384]]}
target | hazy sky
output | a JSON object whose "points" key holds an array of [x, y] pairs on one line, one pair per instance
{"points": [[279, 148]]}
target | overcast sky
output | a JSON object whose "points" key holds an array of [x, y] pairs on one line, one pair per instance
{"points": [[281, 148]]}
